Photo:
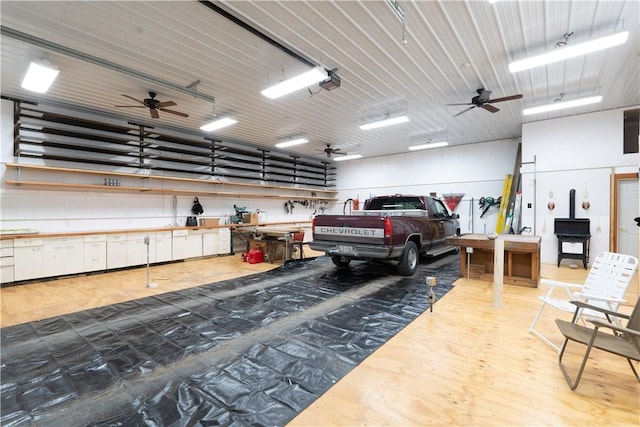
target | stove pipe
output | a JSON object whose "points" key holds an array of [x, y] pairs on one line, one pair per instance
{"points": [[572, 203]]}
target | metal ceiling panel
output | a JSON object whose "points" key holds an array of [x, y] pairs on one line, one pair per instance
{"points": [[452, 48]]}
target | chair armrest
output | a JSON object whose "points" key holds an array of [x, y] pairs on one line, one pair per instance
{"points": [[580, 304], [554, 283], [598, 297], [618, 328]]}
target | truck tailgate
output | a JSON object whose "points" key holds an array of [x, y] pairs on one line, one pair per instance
{"points": [[350, 228]]}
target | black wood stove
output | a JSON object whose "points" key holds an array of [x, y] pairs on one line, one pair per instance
{"points": [[573, 230]]}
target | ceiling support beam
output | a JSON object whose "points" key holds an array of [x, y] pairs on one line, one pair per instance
{"points": [[46, 44], [257, 33]]}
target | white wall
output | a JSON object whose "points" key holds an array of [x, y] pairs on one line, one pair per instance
{"points": [[477, 170], [66, 211], [581, 153]]}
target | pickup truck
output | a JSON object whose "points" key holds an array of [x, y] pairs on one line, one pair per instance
{"points": [[398, 228]]}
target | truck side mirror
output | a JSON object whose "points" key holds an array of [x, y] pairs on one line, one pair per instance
{"points": [[455, 216]]}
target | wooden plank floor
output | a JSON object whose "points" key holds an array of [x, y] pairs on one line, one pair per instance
{"points": [[464, 364]]}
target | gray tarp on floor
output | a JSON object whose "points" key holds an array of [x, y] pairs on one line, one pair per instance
{"points": [[255, 350]]}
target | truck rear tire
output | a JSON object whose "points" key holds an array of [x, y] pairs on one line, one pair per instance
{"points": [[340, 261], [409, 260]]}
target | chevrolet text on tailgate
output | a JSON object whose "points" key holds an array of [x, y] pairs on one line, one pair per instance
{"points": [[398, 228]]}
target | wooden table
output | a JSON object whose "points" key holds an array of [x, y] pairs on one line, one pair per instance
{"points": [[521, 258]]}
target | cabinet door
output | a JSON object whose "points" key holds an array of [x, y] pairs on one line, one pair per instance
{"points": [[117, 254], [179, 248], [28, 262], [136, 252], [163, 249], [53, 258], [194, 246], [210, 243], [73, 255], [224, 241]]}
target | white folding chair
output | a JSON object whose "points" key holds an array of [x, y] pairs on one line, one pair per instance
{"points": [[605, 286]]}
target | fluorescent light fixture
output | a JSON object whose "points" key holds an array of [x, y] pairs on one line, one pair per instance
{"points": [[292, 142], [218, 124], [300, 81], [428, 145], [39, 76], [347, 157], [385, 122], [562, 105], [567, 52]]}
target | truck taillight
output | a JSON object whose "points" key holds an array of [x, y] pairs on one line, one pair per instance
{"points": [[388, 229]]}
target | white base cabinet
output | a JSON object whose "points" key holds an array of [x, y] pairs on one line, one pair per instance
{"points": [[95, 252], [187, 244], [39, 257], [163, 244], [6, 261], [116, 250], [28, 262]]}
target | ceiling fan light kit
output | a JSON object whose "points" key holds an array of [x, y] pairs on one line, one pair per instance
{"points": [[388, 121], [218, 123], [567, 52], [562, 105], [428, 145], [293, 84], [40, 76], [292, 142]]}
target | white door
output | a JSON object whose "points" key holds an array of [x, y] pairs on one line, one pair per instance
{"points": [[628, 209]]}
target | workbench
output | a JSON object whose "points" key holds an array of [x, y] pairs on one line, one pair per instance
{"points": [[521, 258], [273, 238]]}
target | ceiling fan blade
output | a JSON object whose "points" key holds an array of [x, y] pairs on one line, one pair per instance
{"points": [[177, 113], [466, 103], [165, 104], [464, 111], [154, 113], [130, 106], [133, 99], [490, 108], [506, 98]]}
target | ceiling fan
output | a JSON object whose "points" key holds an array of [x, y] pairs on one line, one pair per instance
{"points": [[482, 100], [153, 105], [331, 151]]}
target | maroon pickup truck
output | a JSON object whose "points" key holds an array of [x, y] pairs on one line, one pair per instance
{"points": [[399, 228]]}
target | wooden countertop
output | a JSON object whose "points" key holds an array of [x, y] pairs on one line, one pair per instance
{"points": [[511, 241], [31, 235]]}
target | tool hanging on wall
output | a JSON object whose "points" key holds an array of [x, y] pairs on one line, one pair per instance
{"points": [[288, 206], [197, 208], [487, 202]]}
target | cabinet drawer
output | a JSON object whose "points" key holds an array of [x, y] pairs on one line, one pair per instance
{"points": [[95, 238], [178, 233], [138, 236], [21, 243], [5, 252], [6, 243], [163, 234], [116, 237], [6, 261]]}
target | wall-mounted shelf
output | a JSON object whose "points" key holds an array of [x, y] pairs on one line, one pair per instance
{"points": [[58, 136], [148, 184]]}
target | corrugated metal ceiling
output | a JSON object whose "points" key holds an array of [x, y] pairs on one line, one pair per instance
{"points": [[184, 42]]}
